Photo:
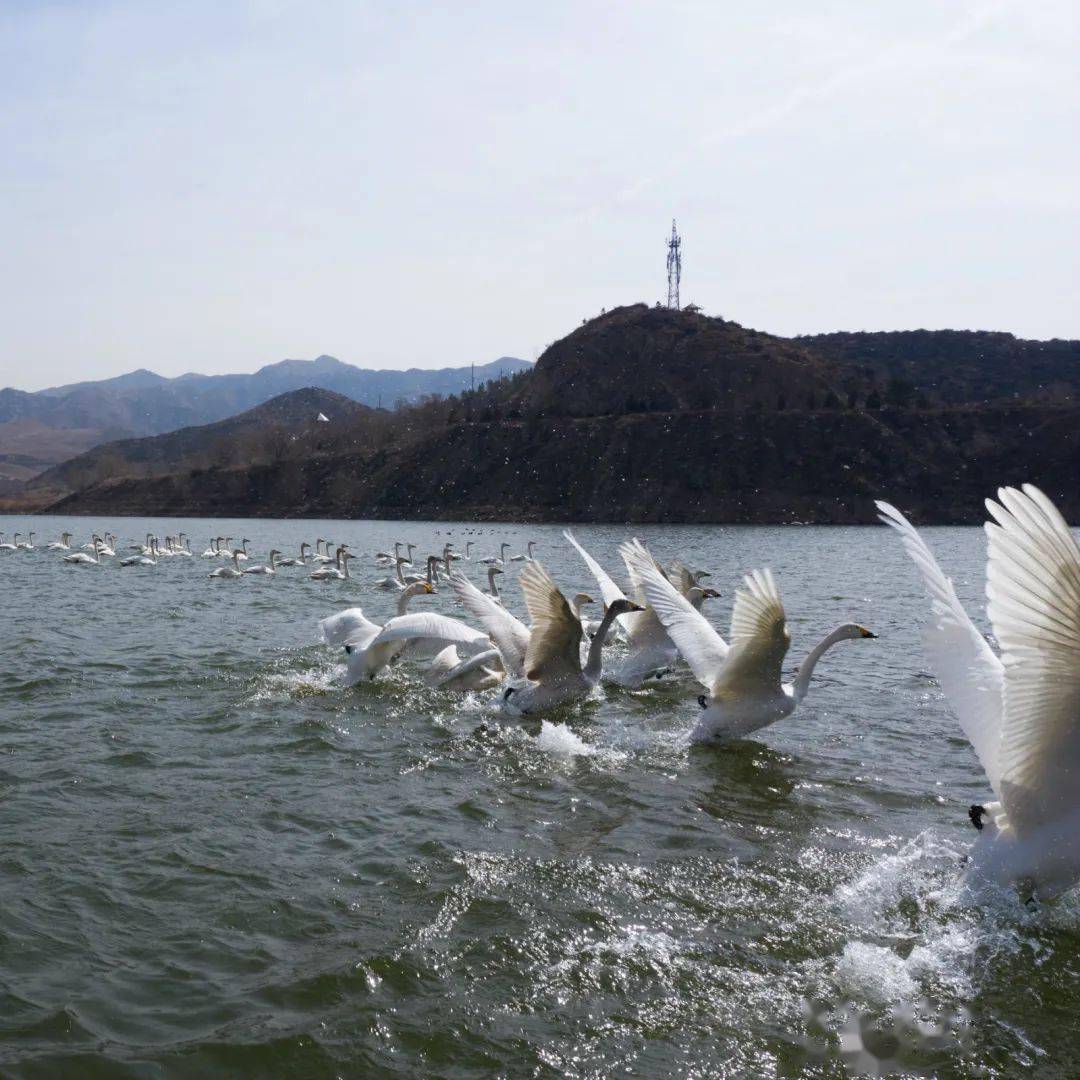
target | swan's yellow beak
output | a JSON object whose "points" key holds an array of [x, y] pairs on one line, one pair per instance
{"points": [[863, 632], [431, 588]]}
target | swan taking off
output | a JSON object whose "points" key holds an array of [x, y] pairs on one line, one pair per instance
{"points": [[746, 693], [1020, 712], [553, 664]]}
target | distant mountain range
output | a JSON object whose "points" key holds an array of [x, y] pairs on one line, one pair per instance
{"points": [[143, 403], [648, 414]]}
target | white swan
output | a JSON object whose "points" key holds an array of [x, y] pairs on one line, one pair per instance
{"points": [[499, 560], [233, 571], [650, 651], [1020, 712], [301, 561], [28, 543], [525, 558], [396, 582], [7, 545], [369, 647], [63, 544], [553, 664], [448, 671], [746, 692], [509, 634], [268, 568], [340, 572], [78, 557], [212, 551], [142, 560]]}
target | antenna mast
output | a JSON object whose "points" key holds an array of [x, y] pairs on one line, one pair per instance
{"points": [[674, 267]]}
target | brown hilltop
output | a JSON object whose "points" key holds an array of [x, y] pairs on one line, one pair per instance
{"points": [[646, 414]]}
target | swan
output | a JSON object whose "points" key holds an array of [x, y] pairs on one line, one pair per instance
{"points": [[397, 582], [142, 560], [106, 546], [7, 545], [242, 554], [493, 588], [432, 574], [233, 571], [302, 561], [746, 693], [508, 633], [553, 667], [80, 557], [212, 551], [269, 568], [499, 560], [650, 651], [63, 544], [525, 558], [386, 557], [481, 671], [1019, 711], [334, 573], [183, 547], [28, 543], [369, 647]]}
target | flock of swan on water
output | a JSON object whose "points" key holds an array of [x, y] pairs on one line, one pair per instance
{"points": [[1019, 709]]}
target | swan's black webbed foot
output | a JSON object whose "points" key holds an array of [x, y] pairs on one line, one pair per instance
{"points": [[976, 813]]}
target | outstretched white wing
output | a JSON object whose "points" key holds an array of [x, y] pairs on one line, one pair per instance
{"points": [[350, 626], [1033, 585], [429, 625], [759, 639], [965, 665], [608, 589], [511, 636], [702, 647], [554, 651]]}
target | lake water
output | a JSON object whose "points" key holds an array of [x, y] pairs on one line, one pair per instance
{"points": [[215, 860]]}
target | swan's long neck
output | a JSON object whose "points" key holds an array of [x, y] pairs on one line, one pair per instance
{"points": [[407, 595], [344, 564], [806, 669], [397, 570], [595, 663]]}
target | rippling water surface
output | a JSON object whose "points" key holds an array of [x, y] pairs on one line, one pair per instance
{"points": [[215, 859]]}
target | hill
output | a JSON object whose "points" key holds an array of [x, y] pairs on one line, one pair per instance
{"points": [[143, 403], [646, 414], [256, 434]]}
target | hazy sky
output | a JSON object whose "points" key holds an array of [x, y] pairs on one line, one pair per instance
{"points": [[216, 185]]}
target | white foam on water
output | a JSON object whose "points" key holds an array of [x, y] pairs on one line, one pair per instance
{"points": [[559, 739], [874, 973]]}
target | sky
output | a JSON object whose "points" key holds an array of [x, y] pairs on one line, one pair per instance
{"points": [[215, 185]]}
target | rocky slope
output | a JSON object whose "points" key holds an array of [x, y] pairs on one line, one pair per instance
{"points": [[648, 415]]}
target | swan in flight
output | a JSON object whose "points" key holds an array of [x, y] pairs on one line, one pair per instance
{"points": [[63, 544], [269, 568], [142, 560], [233, 571], [482, 671], [553, 667], [334, 573], [525, 558], [1019, 711], [500, 559], [743, 680]]}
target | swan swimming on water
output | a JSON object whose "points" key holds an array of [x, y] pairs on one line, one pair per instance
{"points": [[233, 571], [334, 573], [743, 680], [268, 568], [142, 560], [1019, 711]]}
